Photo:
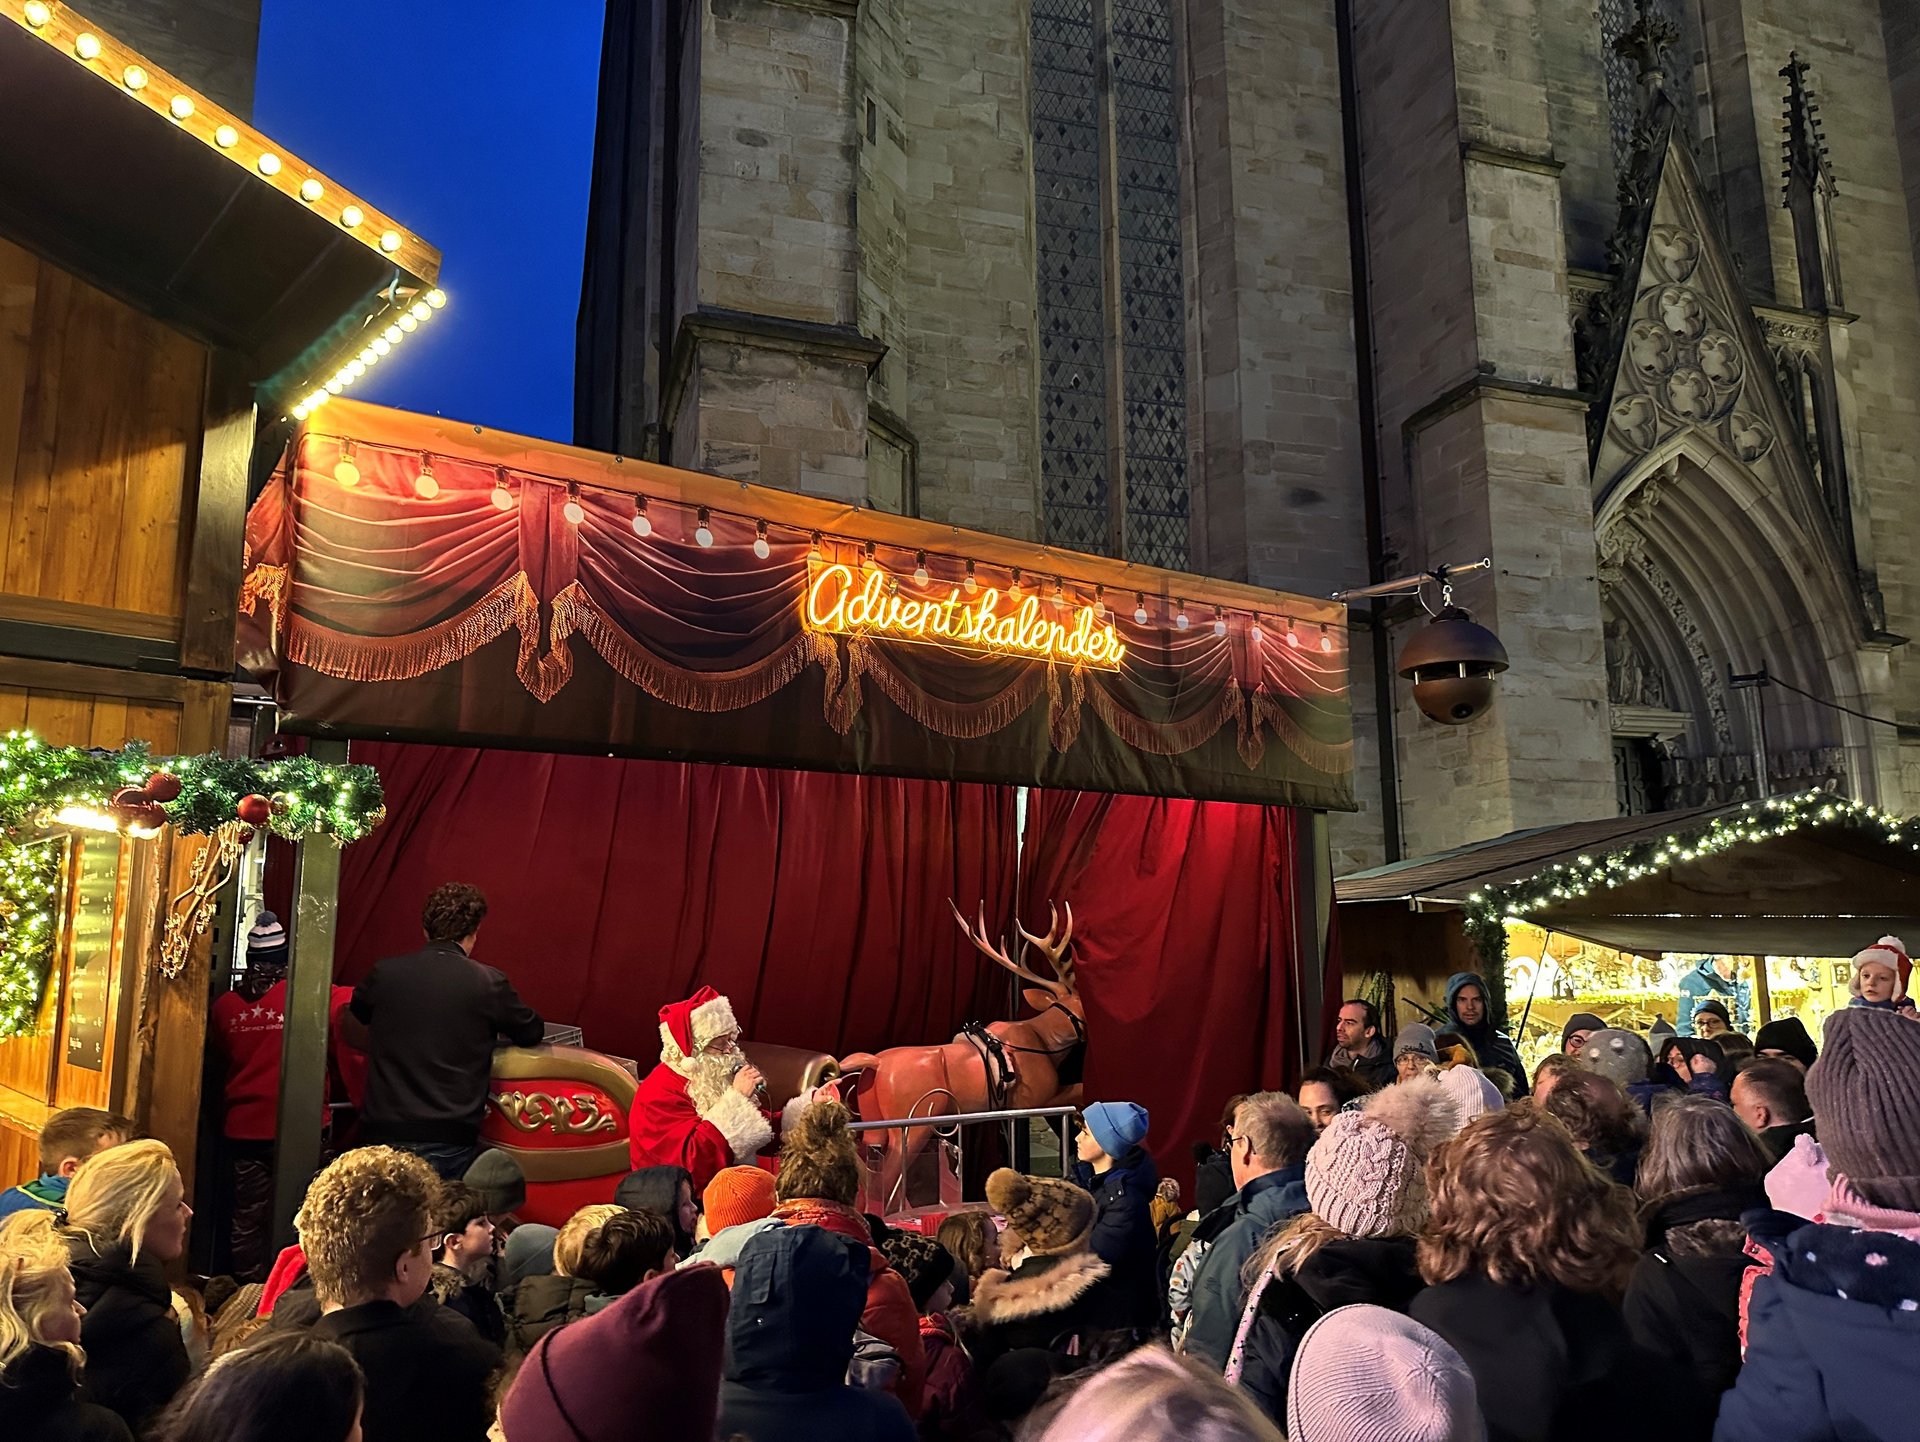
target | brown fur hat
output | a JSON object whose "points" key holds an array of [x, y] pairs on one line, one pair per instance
{"points": [[1053, 1217], [818, 1157]]}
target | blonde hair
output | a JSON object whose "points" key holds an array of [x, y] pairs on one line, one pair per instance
{"points": [[1512, 1197], [366, 1210], [572, 1238], [1288, 1246], [115, 1193], [32, 1260], [1153, 1396]]}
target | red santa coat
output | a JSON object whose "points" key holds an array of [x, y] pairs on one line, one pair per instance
{"points": [[665, 1129]]}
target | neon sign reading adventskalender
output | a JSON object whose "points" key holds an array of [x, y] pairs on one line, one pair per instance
{"points": [[845, 603]]}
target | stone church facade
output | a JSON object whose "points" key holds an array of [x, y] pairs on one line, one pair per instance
{"points": [[1624, 294]]}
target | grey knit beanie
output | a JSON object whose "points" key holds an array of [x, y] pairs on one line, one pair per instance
{"points": [[1619, 1056], [1367, 1374], [1865, 1091], [1416, 1037]]}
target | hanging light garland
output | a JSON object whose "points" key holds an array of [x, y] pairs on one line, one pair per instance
{"points": [[130, 791], [1489, 912]]}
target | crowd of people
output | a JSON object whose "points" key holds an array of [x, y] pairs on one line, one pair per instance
{"points": [[1713, 1235]]}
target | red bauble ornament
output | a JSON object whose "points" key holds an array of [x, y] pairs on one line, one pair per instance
{"points": [[150, 814], [163, 786], [246, 835], [125, 798], [254, 809]]}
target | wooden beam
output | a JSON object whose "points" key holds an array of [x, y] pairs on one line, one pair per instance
{"points": [[213, 554], [303, 1048]]}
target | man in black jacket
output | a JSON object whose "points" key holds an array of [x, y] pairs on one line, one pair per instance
{"points": [[366, 1227], [433, 1020], [1358, 1045]]}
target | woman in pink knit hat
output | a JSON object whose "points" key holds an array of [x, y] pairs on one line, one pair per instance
{"points": [[1368, 1196]]}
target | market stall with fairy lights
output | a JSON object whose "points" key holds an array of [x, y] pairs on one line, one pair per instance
{"points": [[416, 580], [1608, 916]]}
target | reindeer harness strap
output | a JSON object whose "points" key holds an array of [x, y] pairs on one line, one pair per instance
{"points": [[1000, 1069]]}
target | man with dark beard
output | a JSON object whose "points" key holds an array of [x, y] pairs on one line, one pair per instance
{"points": [[703, 1107]]}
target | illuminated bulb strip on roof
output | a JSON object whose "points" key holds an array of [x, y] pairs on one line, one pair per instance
{"points": [[401, 321], [135, 78]]}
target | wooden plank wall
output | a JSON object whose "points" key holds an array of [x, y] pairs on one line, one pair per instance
{"points": [[100, 423]]}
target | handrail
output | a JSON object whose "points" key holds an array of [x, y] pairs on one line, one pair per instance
{"points": [[953, 1118]]}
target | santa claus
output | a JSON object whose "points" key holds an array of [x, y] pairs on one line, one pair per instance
{"points": [[703, 1107]]}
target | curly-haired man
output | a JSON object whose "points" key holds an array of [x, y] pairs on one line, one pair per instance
{"points": [[433, 1019], [367, 1227]]}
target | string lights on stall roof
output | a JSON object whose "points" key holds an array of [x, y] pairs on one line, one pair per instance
{"points": [[502, 494], [573, 510], [425, 485], [920, 575], [406, 320], [703, 532], [1326, 639], [762, 547], [1180, 615], [1140, 609], [642, 527], [1219, 621], [971, 581], [344, 470]]}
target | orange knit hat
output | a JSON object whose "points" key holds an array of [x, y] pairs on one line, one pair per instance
{"points": [[736, 1195]]}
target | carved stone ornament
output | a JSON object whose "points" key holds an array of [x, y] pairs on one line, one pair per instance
{"points": [[1633, 676], [555, 1112]]}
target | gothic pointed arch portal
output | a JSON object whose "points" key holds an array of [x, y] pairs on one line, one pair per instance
{"points": [[1718, 551]]}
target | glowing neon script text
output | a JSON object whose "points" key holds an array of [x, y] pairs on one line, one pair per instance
{"points": [[837, 604]]}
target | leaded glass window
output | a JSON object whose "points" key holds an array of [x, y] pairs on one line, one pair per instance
{"points": [[1623, 91], [1111, 278]]}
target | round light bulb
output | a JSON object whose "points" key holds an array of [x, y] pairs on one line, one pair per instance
{"points": [[436, 298], [703, 535], [1181, 620], [1219, 628], [760, 547], [380, 345], [1326, 641], [369, 356], [311, 190], [226, 137], [87, 45], [36, 13], [426, 487], [351, 216], [502, 498], [407, 321], [346, 472], [334, 386], [573, 511], [134, 78], [920, 574], [181, 107], [393, 333], [1140, 614], [421, 310], [300, 412], [642, 527], [972, 583], [1293, 638], [268, 162], [390, 241]]}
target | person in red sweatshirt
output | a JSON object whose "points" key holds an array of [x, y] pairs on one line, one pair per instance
{"points": [[247, 1028]]}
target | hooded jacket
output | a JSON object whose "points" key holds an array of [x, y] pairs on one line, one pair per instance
{"points": [[890, 1314], [1684, 1298], [798, 1293], [1704, 983], [136, 1356], [39, 1402], [537, 1305], [1238, 1228], [1123, 1234], [1493, 1046], [1831, 1334]]}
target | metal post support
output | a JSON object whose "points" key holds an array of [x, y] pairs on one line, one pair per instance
{"points": [[303, 1053], [1313, 923]]}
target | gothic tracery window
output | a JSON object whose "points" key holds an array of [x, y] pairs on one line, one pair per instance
{"points": [[1111, 278], [1617, 17]]}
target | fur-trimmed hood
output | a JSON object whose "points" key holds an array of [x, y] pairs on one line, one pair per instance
{"points": [[1036, 1287]]}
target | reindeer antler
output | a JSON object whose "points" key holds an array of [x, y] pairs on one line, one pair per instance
{"points": [[1056, 945], [984, 944]]}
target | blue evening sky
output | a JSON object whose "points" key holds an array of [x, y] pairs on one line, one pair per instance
{"points": [[472, 122]]}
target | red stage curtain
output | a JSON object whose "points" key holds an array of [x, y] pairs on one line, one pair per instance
{"points": [[1184, 946], [818, 902]]}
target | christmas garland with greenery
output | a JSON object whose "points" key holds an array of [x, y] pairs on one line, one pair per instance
{"points": [[294, 798], [1488, 911]]}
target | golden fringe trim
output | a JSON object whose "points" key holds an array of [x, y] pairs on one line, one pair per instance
{"points": [[846, 704], [827, 652], [966, 720], [1331, 758], [1252, 745], [401, 658], [676, 685], [544, 676], [269, 584], [1168, 738]]}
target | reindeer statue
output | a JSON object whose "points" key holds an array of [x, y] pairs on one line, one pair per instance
{"points": [[1033, 1062]]}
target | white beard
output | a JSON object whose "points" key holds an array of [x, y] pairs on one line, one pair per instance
{"points": [[709, 1078]]}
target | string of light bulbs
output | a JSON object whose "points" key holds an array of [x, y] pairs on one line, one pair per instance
{"points": [[643, 521], [405, 321]]}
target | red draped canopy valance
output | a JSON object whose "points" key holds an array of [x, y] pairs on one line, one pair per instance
{"points": [[415, 578]]}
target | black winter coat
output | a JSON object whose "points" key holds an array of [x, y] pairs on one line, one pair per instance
{"points": [[1831, 1337], [433, 1020], [537, 1305], [1384, 1271], [39, 1402], [136, 1357], [1684, 1299], [473, 1300], [1122, 1234], [428, 1373], [1046, 1316], [1550, 1363]]}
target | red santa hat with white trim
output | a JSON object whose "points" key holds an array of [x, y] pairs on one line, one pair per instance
{"points": [[686, 1026], [1888, 951]]}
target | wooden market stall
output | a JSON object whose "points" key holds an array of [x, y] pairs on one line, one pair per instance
{"points": [[172, 285], [1794, 879]]}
